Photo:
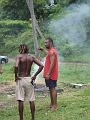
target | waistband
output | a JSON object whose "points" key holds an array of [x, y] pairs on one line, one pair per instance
{"points": [[25, 77]]}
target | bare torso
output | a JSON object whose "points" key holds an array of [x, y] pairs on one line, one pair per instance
{"points": [[24, 64]]}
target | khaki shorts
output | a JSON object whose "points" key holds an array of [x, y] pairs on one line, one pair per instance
{"points": [[24, 89]]}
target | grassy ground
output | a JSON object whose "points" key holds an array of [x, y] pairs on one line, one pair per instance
{"points": [[68, 73], [74, 73], [8, 73], [73, 104]]}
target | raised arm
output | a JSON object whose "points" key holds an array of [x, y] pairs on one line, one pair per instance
{"points": [[43, 50]]}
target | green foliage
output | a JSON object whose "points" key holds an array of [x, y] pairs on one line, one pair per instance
{"points": [[9, 27], [15, 9], [14, 23], [40, 9], [66, 49], [11, 33]]}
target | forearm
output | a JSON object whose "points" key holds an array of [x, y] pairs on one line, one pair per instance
{"points": [[16, 71], [44, 50], [39, 70], [50, 69], [49, 72], [52, 63]]}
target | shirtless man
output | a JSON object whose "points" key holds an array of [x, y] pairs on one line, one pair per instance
{"points": [[24, 81]]}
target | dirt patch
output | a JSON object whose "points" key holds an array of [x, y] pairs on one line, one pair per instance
{"points": [[7, 88], [11, 60], [7, 94]]}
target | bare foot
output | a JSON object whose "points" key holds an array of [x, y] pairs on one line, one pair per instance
{"points": [[50, 105], [53, 108]]}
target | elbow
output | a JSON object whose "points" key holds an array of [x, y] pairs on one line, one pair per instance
{"points": [[41, 67]]}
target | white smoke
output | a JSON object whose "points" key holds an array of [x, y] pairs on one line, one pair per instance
{"points": [[71, 27]]}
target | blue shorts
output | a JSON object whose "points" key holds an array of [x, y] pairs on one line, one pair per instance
{"points": [[51, 83]]}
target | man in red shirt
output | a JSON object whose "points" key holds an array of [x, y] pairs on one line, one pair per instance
{"points": [[51, 71]]}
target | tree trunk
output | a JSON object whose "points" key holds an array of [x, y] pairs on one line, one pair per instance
{"points": [[39, 31], [31, 9], [35, 27]]}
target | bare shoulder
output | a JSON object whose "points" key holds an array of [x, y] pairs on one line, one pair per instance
{"points": [[31, 56], [18, 56]]}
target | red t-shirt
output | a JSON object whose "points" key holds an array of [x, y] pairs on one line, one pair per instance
{"points": [[54, 73]]}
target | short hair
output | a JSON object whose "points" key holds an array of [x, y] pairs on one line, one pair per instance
{"points": [[50, 40], [23, 48]]}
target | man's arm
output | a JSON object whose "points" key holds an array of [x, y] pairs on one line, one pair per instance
{"points": [[36, 61], [52, 58], [16, 68], [43, 50], [1, 69], [16, 72]]}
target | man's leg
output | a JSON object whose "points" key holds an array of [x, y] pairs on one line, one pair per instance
{"points": [[53, 96], [32, 108], [20, 108]]}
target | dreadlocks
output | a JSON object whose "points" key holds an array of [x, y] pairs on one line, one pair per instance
{"points": [[23, 48]]}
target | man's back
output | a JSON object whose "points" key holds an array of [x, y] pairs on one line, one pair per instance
{"points": [[24, 64], [24, 83]]}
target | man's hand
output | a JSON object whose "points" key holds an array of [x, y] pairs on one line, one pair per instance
{"points": [[43, 49], [17, 78], [47, 76], [34, 77], [40, 48]]}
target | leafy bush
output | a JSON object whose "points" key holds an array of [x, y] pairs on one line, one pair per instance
{"points": [[12, 33], [15, 9], [18, 10]]}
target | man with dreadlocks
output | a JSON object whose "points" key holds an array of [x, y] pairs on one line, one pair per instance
{"points": [[24, 81]]}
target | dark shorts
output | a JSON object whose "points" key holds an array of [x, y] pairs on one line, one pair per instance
{"points": [[51, 83]]}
